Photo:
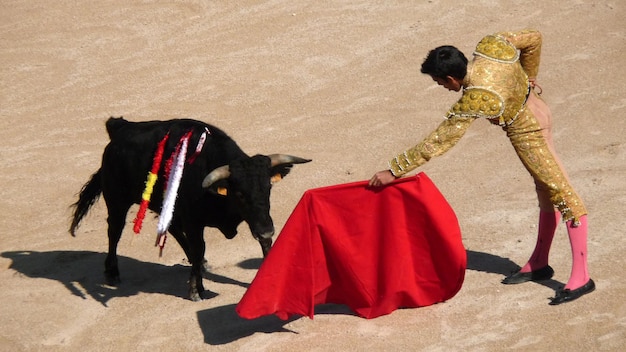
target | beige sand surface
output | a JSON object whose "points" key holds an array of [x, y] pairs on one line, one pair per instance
{"points": [[335, 81]]}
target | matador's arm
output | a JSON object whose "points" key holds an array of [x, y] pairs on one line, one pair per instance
{"points": [[529, 44], [438, 142]]}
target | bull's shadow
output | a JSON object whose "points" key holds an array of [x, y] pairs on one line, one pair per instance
{"points": [[81, 272]]}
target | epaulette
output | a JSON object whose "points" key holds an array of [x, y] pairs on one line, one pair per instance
{"points": [[497, 48], [478, 102]]}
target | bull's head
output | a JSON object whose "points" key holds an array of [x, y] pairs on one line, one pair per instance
{"points": [[248, 185]]}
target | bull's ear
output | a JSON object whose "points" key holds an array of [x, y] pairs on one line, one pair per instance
{"points": [[277, 177], [219, 191], [219, 188], [279, 172]]}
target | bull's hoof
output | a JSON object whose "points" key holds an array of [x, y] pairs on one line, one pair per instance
{"points": [[195, 297], [112, 280]]}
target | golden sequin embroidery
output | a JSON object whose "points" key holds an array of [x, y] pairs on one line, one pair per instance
{"points": [[496, 48], [478, 102]]}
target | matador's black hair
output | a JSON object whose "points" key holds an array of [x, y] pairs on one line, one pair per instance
{"points": [[445, 61]]}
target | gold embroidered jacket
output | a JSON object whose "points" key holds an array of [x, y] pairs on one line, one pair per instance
{"points": [[496, 87]]}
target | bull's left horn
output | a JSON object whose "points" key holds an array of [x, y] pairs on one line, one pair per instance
{"points": [[220, 173], [278, 159]]}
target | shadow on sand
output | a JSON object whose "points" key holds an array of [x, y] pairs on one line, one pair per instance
{"points": [[222, 325], [81, 272], [494, 264]]}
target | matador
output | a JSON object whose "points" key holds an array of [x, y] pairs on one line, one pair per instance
{"points": [[499, 85]]}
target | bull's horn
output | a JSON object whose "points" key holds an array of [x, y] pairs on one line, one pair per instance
{"points": [[220, 173], [278, 159]]}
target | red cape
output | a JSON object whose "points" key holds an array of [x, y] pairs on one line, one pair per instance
{"points": [[373, 249]]}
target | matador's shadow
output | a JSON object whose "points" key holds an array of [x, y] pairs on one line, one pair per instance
{"points": [[81, 272], [494, 264]]}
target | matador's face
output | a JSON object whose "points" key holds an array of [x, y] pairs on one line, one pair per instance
{"points": [[449, 83]]}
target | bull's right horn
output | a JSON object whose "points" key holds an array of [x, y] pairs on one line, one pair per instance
{"points": [[278, 159], [220, 173]]}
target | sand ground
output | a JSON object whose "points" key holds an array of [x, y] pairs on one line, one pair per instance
{"points": [[334, 81]]}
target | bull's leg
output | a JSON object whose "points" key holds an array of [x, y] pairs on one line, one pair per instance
{"points": [[196, 257], [181, 238], [266, 245], [116, 221], [196, 288]]}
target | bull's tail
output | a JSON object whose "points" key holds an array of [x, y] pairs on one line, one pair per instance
{"points": [[89, 194]]}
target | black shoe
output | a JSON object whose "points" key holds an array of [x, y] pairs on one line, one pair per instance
{"points": [[544, 273], [567, 295]]}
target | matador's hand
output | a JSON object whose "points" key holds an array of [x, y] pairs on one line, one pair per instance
{"points": [[532, 82], [382, 178]]}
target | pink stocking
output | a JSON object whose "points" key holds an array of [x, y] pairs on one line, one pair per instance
{"points": [[548, 221], [578, 241]]}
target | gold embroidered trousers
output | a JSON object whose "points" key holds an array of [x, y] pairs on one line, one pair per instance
{"points": [[531, 137]]}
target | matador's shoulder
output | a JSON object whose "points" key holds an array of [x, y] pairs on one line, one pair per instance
{"points": [[496, 47], [478, 102]]}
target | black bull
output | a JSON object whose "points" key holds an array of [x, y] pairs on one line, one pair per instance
{"points": [[202, 202]]}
